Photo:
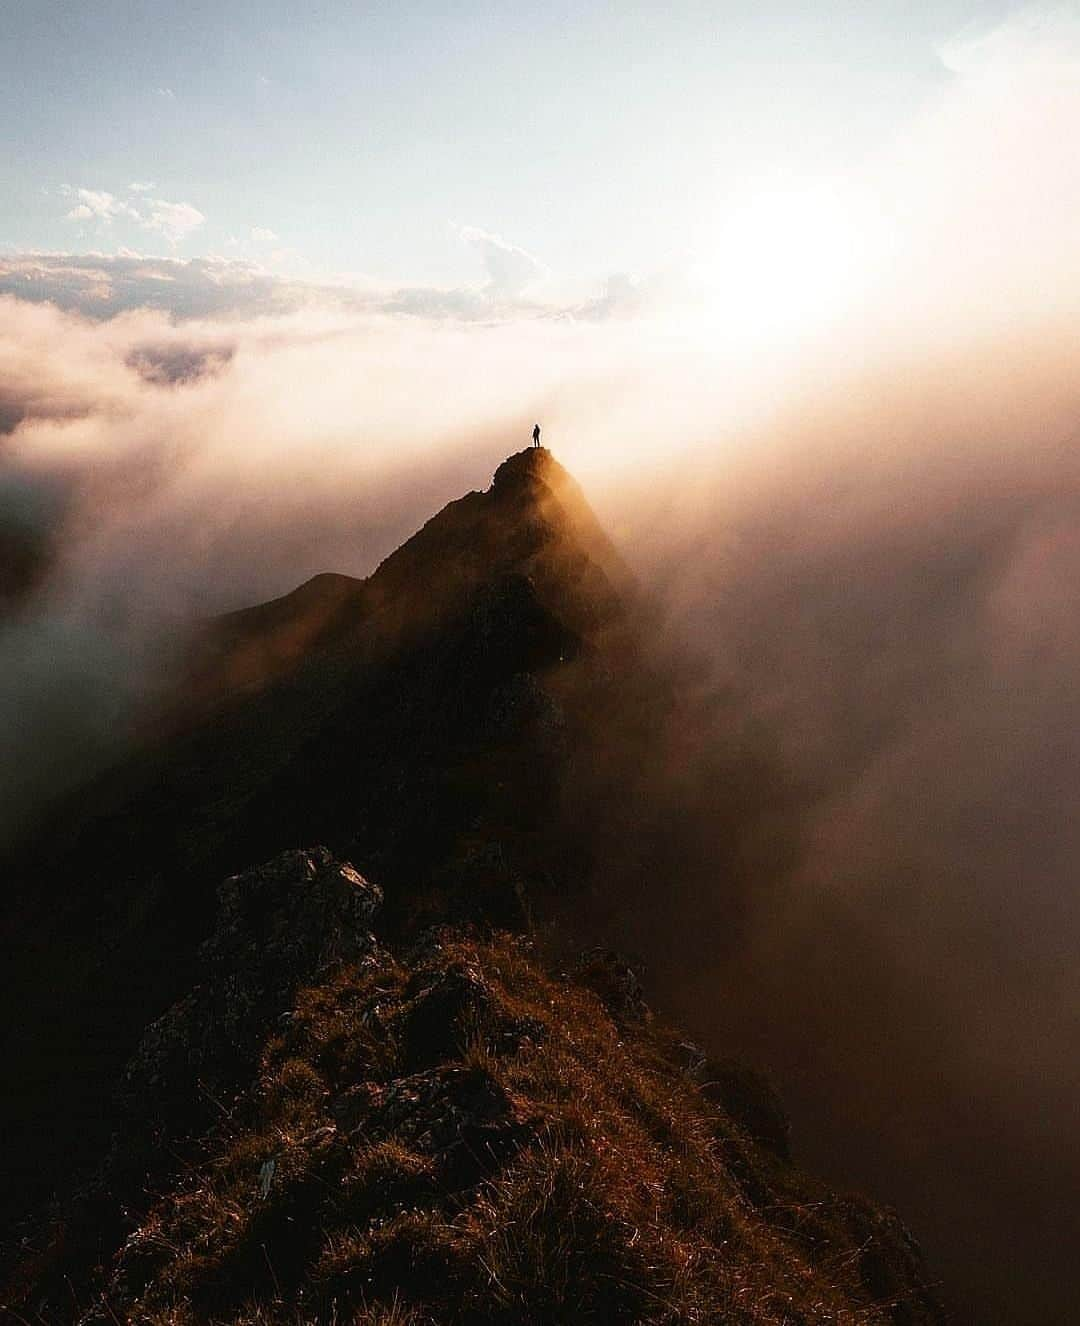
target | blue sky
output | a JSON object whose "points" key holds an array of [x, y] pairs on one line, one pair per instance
{"points": [[339, 138]]}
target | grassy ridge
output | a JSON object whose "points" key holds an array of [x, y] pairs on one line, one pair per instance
{"points": [[461, 1136]]}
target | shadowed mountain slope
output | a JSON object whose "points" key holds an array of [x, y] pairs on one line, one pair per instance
{"points": [[401, 712], [479, 726]]}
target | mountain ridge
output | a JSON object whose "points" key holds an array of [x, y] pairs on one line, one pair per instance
{"points": [[475, 537], [459, 728], [375, 721], [327, 1128]]}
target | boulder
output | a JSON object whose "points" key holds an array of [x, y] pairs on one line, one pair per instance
{"points": [[277, 927]]}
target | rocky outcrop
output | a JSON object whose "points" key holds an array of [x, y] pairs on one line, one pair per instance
{"points": [[447, 1133], [277, 928]]}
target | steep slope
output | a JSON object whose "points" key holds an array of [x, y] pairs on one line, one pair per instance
{"points": [[532, 522], [326, 1129], [453, 1117], [405, 719]]}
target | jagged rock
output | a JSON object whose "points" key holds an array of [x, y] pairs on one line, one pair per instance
{"points": [[454, 1008], [510, 618], [277, 927], [444, 1011], [460, 1116], [569, 1175]]}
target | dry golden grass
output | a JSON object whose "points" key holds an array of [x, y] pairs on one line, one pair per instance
{"points": [[465, 1138]]}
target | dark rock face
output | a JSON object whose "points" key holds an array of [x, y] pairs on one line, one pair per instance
{"points": [[459, 1116], [277, 927], [436, 1022], [407, 720]]}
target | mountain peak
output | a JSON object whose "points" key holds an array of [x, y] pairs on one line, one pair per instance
{"points": [[528, 466], [533, 522], [321, 1119]]}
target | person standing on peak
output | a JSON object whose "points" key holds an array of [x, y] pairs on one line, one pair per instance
{"points": [[536, 435]]}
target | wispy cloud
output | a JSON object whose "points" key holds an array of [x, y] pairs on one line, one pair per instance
{"points": [[510, 269], [262, 235], [141, 186], [99, 205], [173, 220], [166, 93]]}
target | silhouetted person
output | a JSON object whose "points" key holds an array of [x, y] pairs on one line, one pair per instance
{"points": [[536, 435]]}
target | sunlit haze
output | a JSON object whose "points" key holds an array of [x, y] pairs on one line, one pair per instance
{"points": [[541, 156], [793, 290]]}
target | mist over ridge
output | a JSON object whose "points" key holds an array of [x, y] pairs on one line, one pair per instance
{"points": [[876, 583], [855, 523]]}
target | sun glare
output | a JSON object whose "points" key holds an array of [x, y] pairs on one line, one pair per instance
{"points": [[783, 259]]}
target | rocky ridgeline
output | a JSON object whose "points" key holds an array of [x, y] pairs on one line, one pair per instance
{"points": [[399, 1110], [325, 1129], [277, 928]]}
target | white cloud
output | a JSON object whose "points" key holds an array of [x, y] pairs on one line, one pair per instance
{"points": [[510, 270], [173, 220], [141, 186], [166, 93], [101, 285], [262, 235], [100, 205]]}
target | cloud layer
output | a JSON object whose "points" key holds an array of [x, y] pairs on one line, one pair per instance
{"points": [[887, 584], [100, 285]]}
